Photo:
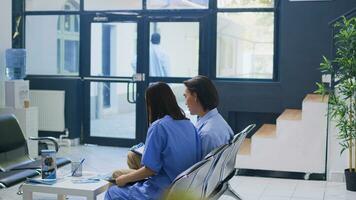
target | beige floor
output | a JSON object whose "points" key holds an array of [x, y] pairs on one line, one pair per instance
{"points": [[105, 159]]}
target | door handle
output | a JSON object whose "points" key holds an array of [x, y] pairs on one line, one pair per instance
{"points": [[131, 96], [138, 77]]}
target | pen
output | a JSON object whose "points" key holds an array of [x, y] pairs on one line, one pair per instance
{"points": [[75, 170]]}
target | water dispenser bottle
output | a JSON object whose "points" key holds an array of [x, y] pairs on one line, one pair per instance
{"points": [[15, 63]]}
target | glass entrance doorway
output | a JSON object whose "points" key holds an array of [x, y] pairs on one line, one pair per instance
{"points": [[111, 89], [122, 56]]}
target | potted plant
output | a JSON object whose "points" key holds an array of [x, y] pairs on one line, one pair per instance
{"points": [[342, 92]]}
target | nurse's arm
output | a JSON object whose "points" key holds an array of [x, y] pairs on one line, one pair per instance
{"points": [[140, 174]]}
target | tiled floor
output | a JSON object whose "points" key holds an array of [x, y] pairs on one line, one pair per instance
{"points": [[105, 159]]}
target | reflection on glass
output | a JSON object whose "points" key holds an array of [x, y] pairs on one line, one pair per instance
{"points": [[71, 56], [174, 49], [245, 3], [56, 50], [177, 4], [113, 49], [38, 5], [110, 113], [245, 45], [178, 90], [113, 4]]}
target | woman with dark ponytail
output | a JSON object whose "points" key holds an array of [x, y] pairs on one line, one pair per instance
{"points": [[172, 146]]}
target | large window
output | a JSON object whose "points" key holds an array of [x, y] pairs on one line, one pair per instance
{"points": [[177, 4], [52, 5], [245, 39], [174, 49], [68, 44], [112, 4], [245, 3], [52, 41]]}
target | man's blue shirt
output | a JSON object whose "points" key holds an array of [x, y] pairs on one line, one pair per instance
{"points": [[213, 130]]}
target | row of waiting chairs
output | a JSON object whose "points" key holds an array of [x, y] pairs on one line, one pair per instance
{"points": [[15, 162], [209, 178]]}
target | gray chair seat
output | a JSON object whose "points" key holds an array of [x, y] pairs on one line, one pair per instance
{"points": [[11, 178], [36, 164]]}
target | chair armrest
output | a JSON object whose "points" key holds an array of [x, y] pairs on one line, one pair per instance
{"points": [[51, 139]]}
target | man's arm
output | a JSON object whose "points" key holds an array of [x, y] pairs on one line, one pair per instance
{"points": [[140, 174]]}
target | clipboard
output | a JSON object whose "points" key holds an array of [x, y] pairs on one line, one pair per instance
{"points": [[138, 149]]}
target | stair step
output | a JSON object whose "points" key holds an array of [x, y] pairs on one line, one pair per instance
{"points": [[266, 131], [316, 98], [245, 148], [291, 114]]}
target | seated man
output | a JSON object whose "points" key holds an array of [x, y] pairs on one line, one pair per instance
{"points": [[201, 98]]}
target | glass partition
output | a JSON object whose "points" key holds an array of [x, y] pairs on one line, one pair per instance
{"points": [[177, 4], [113, 49], [111, 115], [52, 44], [112, 4], [50, 5], [245, 3], [245, 45], [174, 49]]}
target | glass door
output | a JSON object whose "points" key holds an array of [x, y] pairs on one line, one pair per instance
{"points": [[112, 85], [175, 50], [121, 56]]}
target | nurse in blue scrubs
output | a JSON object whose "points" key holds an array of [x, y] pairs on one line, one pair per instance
{"points": [[172, 146]]}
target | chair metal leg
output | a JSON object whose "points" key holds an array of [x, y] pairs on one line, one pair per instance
{"points": [[230, 192]]}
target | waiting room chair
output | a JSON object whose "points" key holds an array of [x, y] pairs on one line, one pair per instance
{"points": [[15, 163], [224, 169], [193, 179]]}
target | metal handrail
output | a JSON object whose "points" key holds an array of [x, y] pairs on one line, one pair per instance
{"points": [[346, 14]]}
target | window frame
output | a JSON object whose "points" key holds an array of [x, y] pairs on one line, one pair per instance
{"points": [[211, 26], [275, 71]]}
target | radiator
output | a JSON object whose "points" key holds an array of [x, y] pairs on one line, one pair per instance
{"points": [[50, 105]]}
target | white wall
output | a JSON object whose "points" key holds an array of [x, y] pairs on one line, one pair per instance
{"points": [[5, 41]]}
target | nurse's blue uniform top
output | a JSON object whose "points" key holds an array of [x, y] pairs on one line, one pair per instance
{"points": [[213, 130], [172, 146]]}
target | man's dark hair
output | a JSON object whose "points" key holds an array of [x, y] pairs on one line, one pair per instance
{"points": [[160, 101], [156, 38], [205, 90]]}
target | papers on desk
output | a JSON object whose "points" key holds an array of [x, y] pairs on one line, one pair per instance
{"points": [[85, 180], [76, 180], [92, 179]]}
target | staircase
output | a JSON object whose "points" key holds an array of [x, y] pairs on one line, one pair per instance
{"points": [[297, 143]]}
